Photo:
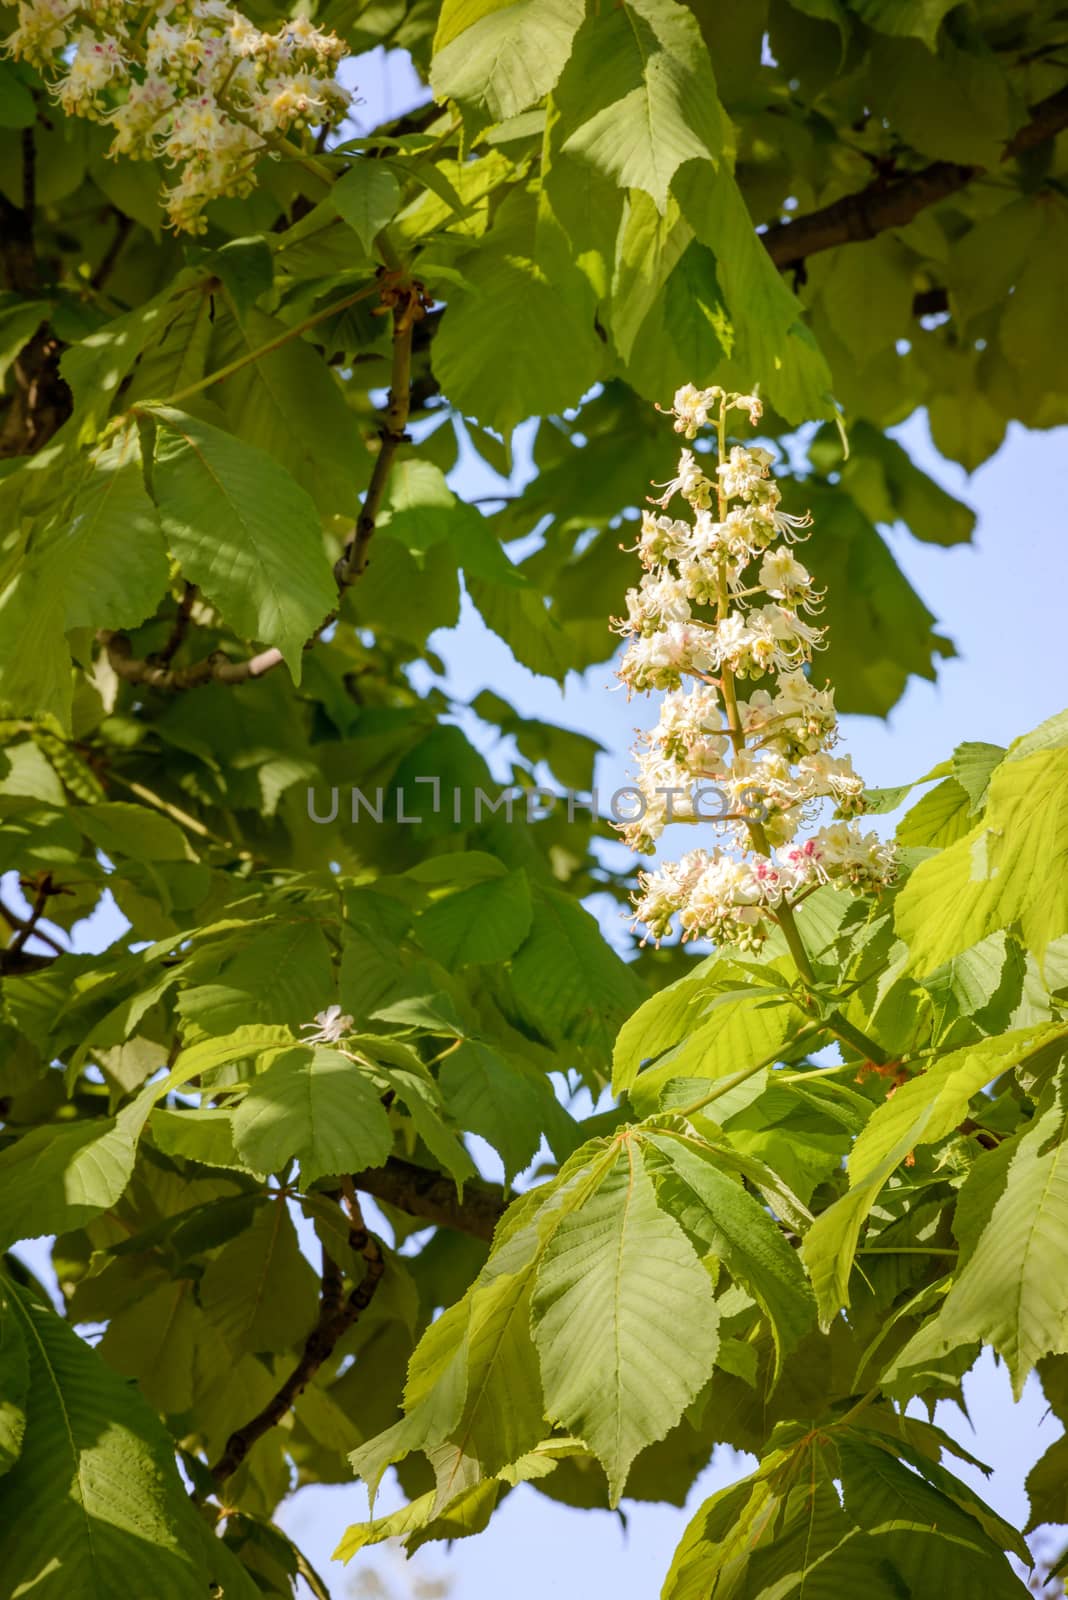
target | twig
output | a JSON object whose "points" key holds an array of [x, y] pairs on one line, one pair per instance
{"points": [[892, 204], [336, 1316], [180, 628], [406, 300], [26, 928]]}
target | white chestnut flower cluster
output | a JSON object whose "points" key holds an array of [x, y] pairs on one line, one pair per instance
{"points": [[723, 599], [191, 81]]}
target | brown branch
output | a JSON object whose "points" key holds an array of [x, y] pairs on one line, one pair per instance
{"points": [[406, 301], [891, 204], [432, 1196], [24, 928], [180, 627], [336, 1315]]}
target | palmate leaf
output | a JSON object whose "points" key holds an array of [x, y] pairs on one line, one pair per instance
{"points": [[715, 1209], [1010, 867], [243, 530], [624, 1318], [624, 1322], [1010, 1292], [279, 972], [639, 97], [508, 284], [94, 1505], [786, 1532], [317, 1106], [366, 196], [501, 58], [710, 1024], [921, 1112]]}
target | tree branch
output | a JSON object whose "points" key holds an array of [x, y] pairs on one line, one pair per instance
{"points": [[24, 929], [432, 1196], [336, 1315], [891, 204], [406, 301]]}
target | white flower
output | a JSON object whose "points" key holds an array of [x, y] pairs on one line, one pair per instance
{"points": [[691, 408], [771, 765], [783, 576], [329, 1026], [198, 84], [741, 473], [690, 482]]}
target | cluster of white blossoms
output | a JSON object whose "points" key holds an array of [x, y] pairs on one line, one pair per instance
{"points": [[191, 81], [724, 599]]}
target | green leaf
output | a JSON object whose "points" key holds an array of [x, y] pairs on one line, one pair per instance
{"points": [[244, 531], [487, 922], [366, 196], [164, 1340], [715, 1209], [96, 366], [772, 339], [501, 58], [901, 489], [501, 1098], [624, 1318], [1010, 868], [570, 984], [14, 1382], [94, 1506], [520, 618], [973, 766], [639, 97], [879, 629], [1008, 1293], [106, 555], [278, 973], [317, 1106], [35, 666], [867, 290], [930, 1105], [1047, 1485], [921, 1112], [509, 287], [17, 106], [121, 829], [920, 19], [943, 816], [259, 1291], [695, 1029], [206, 1136], [57, 1176], [958, 105], [289, 405]]}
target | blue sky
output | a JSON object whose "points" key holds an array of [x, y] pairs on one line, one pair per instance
{"points": [[1001, 600]]}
